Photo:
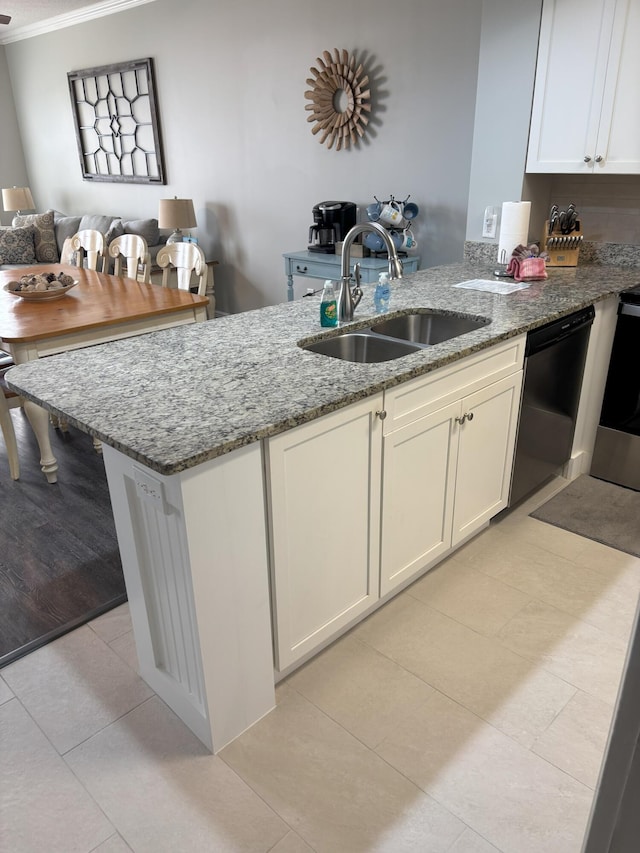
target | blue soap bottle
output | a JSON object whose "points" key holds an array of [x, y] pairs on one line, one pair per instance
{"points": [[382, 294], [328, 305]]}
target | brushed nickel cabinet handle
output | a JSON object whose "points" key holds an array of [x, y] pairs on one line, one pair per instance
{"points": [[381, 414]]}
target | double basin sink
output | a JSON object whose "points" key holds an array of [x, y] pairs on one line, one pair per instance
{"points": [[397, 336]]}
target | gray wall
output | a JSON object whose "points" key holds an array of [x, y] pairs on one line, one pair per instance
{"points": [[506, 72], [231, 82], [13, 171]]}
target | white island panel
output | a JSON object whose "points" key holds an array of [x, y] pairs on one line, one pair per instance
{"points": [[194, 556]]}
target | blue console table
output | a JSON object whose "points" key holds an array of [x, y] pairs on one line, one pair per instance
{"points": [[317, 265]]}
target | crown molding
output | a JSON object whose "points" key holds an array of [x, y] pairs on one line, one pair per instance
{"points": [[70, 19]]}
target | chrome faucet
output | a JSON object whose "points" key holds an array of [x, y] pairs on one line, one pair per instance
{"points": [[349, 299]]}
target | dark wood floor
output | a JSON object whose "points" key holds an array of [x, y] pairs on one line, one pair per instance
{"points": [[59, 559]]}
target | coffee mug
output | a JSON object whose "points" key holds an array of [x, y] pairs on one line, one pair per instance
{"points": [[390, 214], [373, 241], [408, 240], [373, 211], [410, 210], [397, 237]]}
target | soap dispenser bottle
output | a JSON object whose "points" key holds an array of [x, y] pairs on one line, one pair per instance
{"points": [[382, 294], [328, 305]]}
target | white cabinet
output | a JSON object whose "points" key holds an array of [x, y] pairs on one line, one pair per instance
{"points": [[417, 505], [324, 490], [448, 453], [586, 114], [486, 442], [353, 515]]}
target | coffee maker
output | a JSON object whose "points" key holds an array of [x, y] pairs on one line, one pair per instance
{"points": [[331, 222]]}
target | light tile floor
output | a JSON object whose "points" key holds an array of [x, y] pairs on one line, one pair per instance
{"points": [[468, 715]]}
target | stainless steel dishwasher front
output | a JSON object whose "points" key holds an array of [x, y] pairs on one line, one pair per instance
{"points": [[554, 363]]}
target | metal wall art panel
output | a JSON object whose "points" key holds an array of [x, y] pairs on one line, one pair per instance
{"points": [[116, 119]]}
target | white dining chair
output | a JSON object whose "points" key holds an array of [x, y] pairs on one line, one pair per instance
{"points": [[135, 252], [89, 245], [185, 258], [9, 400]]}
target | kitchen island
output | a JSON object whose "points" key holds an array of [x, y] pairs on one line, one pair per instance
{"points": [[187, 417]]}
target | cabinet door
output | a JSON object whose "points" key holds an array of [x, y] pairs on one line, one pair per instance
{"points": [[486, 441], [324, 486], [418, 491], [573, 53], [618, 146]]}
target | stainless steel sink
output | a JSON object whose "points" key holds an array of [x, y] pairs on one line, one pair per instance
{"points": [[428, 328], [361, 347]]}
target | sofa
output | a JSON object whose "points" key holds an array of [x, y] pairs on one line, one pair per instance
{"points": [[44, 238]]}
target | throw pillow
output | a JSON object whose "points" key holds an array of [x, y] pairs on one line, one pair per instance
{"points": [[147, 228], [66, 226], [96, 222], [17, 246], [115, 230], [44, 237]]}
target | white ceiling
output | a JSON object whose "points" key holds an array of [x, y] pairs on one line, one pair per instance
{"points": [[34, 17]]}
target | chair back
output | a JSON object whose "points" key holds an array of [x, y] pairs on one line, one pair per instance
{"points": [[135, 251], [185, 258], [89, 244]]}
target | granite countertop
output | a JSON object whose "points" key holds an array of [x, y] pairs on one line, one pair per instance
{"points": [[176, 398]]}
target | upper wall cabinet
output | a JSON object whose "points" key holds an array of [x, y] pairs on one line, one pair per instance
{"points": [[586, 110]]}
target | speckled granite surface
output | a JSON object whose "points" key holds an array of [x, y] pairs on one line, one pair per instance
{"points": [[176, 398]]}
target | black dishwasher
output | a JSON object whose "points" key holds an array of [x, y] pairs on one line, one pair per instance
{"points": [[554, 363], [616, 456]]}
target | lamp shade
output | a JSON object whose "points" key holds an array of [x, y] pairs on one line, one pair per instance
{"points": [[176, 213], [17, 198]]}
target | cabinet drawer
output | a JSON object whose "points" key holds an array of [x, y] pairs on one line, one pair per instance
{"points": [[311, 268], [418, 397]]}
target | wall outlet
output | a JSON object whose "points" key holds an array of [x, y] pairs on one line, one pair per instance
{"points": [[490, 222]]}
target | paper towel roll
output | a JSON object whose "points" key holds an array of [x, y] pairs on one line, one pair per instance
{"points": [[514, 228]]}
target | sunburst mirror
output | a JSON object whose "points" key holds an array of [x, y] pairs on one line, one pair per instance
{"points": [[340, 99]]}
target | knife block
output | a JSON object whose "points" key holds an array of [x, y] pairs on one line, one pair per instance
{"points": [[559, 255]]}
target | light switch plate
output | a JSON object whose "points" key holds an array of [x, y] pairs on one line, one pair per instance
{"points": [[490, 222]]}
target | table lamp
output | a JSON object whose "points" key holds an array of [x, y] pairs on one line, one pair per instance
{"points": [[176, 213], [17, 199]]}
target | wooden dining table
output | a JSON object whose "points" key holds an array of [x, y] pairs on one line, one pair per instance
{"points": [[100, 308]]}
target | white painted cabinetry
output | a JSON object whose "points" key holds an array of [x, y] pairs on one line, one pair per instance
{"points": [[324, 490], [194, 556], [486, 441], [417, 505], [354, 515], [586, 114], [448, 453]]}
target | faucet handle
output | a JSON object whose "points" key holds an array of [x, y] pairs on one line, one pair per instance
{"points": [[356, 293]]}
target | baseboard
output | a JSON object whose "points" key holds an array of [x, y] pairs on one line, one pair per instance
{"points": [[579, 463]]}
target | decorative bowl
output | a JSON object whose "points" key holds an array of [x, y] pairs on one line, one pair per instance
{"points": [[38, 295]]}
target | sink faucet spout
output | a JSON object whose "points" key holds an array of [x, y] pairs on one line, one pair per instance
{"points": [[349, 298]]}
